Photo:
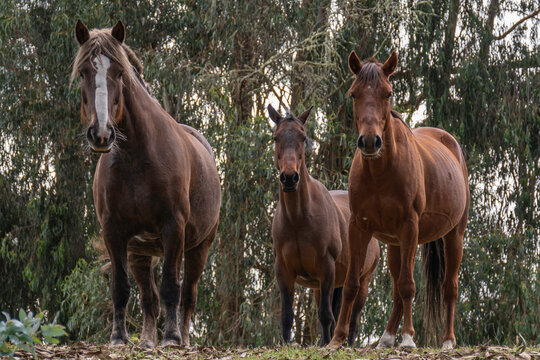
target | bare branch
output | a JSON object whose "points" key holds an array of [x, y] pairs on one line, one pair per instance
{"points": [[503, 35]]}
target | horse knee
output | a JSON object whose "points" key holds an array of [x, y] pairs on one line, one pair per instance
{"points": [[326, 318], [350, 291], [189, 297], [170, 292], [407, 289], [120, 294]]}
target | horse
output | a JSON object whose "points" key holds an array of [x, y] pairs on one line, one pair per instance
{"points": [[156, 186], [406, 187], [309, 232]]}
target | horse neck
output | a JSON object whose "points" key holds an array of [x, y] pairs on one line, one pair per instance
{"points": [[296, 203], [142, 118]]}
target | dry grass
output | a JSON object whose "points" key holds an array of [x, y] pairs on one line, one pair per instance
{"points": [[86, 351]]}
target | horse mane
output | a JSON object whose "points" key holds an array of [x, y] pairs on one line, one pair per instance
{"points": [[100, 42]]}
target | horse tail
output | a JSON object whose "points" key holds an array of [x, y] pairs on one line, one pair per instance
{"points": [[336, 302], [433, 272]]}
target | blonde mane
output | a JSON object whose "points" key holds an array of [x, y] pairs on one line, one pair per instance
{"points": [[100, 42]]}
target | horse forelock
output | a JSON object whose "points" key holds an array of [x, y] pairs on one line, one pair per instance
{"points": [[101, 42], [370, 73]]}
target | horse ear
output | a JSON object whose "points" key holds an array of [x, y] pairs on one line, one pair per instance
{"points": [[303, 116], [119, 31], [390, 65], [355, 65], [81, 32], [274, 115]]}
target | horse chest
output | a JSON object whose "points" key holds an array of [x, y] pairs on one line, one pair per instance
{"points": [[130, 193]]}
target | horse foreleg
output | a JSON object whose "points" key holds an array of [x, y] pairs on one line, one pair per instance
{"points": [[358, 244], [453, 253], [173, 237], [394, 263], [359, 303], [326, 318], [117, 248], [285, 282], [142, 269], [406, 286], [194, 261]]}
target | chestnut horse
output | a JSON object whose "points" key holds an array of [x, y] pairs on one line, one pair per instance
{"points": [[309, 231], [156, 186], [406, 188]]}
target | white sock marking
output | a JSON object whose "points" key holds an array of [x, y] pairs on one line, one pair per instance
{"points": [[407, 341], [386, 340]]}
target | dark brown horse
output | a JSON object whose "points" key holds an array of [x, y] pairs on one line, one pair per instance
{"points": [[406, 188], [156, 186], [310, 233]]}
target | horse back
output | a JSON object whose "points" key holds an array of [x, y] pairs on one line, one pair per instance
{"points": [[197, 135]]}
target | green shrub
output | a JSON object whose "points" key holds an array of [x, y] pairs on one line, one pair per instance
{"points": [[25, 332]]}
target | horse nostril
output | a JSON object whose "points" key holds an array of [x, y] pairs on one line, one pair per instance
{"points": [[91, 134], [360, 142], [282, 178], [378, 142], [112, 135], [295, 177]]}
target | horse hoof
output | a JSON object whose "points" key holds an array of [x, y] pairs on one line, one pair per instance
{"points": [[146, 344], [118, 342], [170, 342], [407, 342], [386, 341], [333, 345], [448, 345]]}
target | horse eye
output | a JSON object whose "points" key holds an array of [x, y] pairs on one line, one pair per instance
{"points": [[120, 74], [352, 95], [275, 138], [389, 95]]}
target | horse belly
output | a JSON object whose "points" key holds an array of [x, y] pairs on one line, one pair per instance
{"points": [[446, 196]]}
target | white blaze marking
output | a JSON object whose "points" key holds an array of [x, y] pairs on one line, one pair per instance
{"points": [[102, 96]]}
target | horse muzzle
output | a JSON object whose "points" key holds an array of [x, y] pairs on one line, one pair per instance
{"points": [[289, 182], [370, 146], [101, 140]]}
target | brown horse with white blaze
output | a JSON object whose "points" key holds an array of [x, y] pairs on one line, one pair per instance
{"points": [[309, 231], [406, 188], [156, 186]]}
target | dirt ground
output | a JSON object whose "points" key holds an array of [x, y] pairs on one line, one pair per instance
{"points": [[86, 351]]}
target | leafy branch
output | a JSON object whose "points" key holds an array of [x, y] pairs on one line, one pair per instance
{"points": [[27, 331]]}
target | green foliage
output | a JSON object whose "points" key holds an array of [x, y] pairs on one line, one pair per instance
{"points": [[86, 298], [216, 65], [26, 332]]}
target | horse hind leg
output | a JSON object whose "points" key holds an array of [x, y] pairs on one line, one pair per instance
{"points": [[194, 262], [142, 269], [453, 254], [337, 297], [326, 318]]}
